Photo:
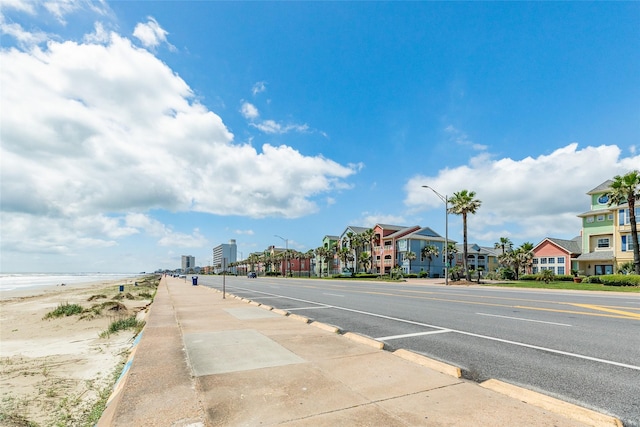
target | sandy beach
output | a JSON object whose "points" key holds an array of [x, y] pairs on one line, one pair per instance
{"points": [[59, 370]]}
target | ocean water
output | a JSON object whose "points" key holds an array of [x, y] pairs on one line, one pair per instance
{"points": [[25, 281]]}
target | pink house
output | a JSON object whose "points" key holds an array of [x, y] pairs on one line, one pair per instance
{"points": [[557, 255]]}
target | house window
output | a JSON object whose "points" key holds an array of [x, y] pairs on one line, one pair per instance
{"points": [[603, 243], [610, 217], [603, 269], [623, 216], [560, 260], [543, 260], [626, 243], [535, 261], [600, 218], [560, 270], [590, 219], [552, 260]]}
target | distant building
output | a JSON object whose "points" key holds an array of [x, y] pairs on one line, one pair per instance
{"points": [[188, 262], [224, 255]]}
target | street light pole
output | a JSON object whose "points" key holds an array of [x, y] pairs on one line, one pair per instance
{"points": [[445, 199], [286, 253]]}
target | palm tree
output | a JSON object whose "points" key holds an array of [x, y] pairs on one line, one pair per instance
{"points": [[526, 256], [519, 259], [352, 239], [345, 255], [322, 253], [309, 256], [368, 236], [452, 250], [429, 252], [365, 259], [505, 243], [626, 188], [411, 256], [464, 203]]}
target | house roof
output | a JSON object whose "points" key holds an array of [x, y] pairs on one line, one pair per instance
{"points": [[596, 211], [473, 248], [573, 246], [356, 229], [402, 232], [425, 233], [596, 256], [602, 187]]}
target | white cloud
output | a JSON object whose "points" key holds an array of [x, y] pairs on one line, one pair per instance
{"points": [[98, 131], [259, 87], [371, 219], [26, 6], [100, 35], [461, 138], [246, 232], [151, 34], [537, 197], [24, 38], [249, 111], [270, 126], [61, 8]]}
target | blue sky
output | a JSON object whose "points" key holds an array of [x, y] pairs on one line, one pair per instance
{"points": [[136, 132]]}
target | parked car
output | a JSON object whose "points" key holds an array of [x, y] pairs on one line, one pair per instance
{"points": [[252, 275], [346, 272]]}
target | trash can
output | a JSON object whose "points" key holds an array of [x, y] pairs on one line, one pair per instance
{"points": [[194, 280], [121, 288]]}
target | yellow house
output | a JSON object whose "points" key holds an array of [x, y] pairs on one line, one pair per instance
{"points": [[606, 234]]}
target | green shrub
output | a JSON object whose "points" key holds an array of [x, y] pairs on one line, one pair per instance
{"points": [[507, 274], [366, 276], [615, 280], [65, 309]]}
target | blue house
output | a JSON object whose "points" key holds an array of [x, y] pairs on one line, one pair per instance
{"points": [[415, 242]]}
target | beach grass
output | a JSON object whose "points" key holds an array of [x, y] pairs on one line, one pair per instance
{"points": [[124, 324], [65, 309]]}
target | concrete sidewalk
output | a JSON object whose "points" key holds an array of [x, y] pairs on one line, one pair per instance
{"points": [[207, 361]]}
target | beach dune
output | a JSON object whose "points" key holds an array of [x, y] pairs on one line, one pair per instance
{"points": [[60, 370]]}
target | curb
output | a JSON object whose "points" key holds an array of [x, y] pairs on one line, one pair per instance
{"points": [[364, 340], [324, 326], [299, 318], [557, 406], [441, 367], [569, 410]]}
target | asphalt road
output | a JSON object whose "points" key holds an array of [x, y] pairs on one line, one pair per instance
{"points": [[581, 347]]}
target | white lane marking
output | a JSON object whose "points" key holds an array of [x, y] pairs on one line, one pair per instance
{"points": [[523, 319], [334, 295], [471, 334], [417, 334], [308, 308]]}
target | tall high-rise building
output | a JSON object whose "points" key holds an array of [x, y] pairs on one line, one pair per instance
{"points": [[223, 255], [188, 262]]}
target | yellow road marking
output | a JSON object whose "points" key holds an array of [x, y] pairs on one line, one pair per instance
{"points": [[614, 313], [609, 310]]}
